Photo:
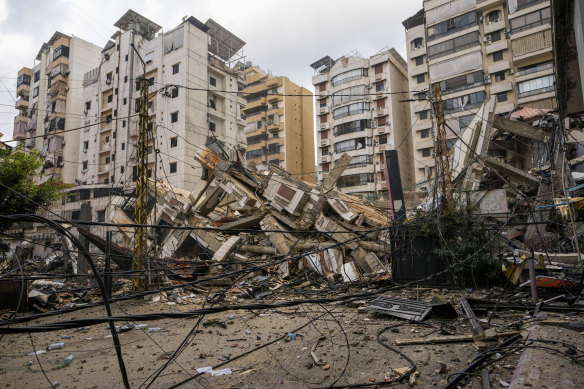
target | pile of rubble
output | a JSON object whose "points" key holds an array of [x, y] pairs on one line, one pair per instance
{"points": [[242, 215]]}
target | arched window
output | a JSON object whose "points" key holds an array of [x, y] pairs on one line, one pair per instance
{"points": [[493, 16], [417, 43]]}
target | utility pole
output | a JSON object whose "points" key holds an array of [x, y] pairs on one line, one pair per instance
{"points": [[441, 146], [141, 205]]}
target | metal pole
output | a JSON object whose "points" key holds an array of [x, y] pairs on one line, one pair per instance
{"points": [[108, 274]]}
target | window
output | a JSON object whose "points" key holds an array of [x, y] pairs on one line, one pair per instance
{"points": [[464, 121], [324, 152], [37, 76], [60, 51], [493, 16], [499, 76], [273, 148], [417, 43], [151, 81], [452, 25], [530, 20], [125, 78], [123, 146], [85, 145], [212, 81], [462, 103], [174, 117], [259, 124], [425, 133], [419, 60], [108, 119], [122, 169], [536, 86], [212, 103], [123, 123], [350, 127], [501, 97], [174, 92], [125, 101], [355, 180], [149, 149], [110, 98], [454, 45], [423, 115], [149, 173], [24, 79], [350, 94], [107, 160], [379, 87], [352, 144], [426, 152], [84, 165], [175, 68], [351, 109], [101, 216], [360, 161], [126, 59], [533, 68], [383, 140], [87, 105], [465, 81], [148, 57], [498, 56], [350, 75], [108, 78], [211, 126], [35, 91], [421, 96], [495, 36], [420, 78]]}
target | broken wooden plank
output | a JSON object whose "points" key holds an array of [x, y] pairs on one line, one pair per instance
{"points": [[522, 129], [513, 173]]}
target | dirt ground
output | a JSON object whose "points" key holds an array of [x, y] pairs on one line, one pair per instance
{"points": [[347, 349]]}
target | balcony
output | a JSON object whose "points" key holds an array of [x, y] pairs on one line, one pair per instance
{"points": [[19, 131], [382, 111], [325, 158], [379, 77], [323, 94], [23, 90], [21, 104], [532, 45], [483, 4], [325, 142], [324, 110]]}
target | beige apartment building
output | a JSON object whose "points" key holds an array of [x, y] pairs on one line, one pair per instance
{"points": [[49, 103], [359, 112], [476, 50], [280, 124]]}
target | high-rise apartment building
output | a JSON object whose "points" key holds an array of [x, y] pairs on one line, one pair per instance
{"points": [[359, 112], [280, 124], [192, 97], [50, 96], [476, 50]]}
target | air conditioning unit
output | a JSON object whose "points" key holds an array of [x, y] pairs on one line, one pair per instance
{"points": [[85, 112], [487, 79], [85, 150], [373, 123], [487, 40], [487, 23], [108, 81], [510, 71], [496, 20]]}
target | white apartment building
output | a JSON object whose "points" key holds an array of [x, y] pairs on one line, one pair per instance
{"points": [[357, 114], [193, 96], [476, 49]]}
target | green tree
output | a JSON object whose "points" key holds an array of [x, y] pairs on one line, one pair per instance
{"points": [[18, 191]]}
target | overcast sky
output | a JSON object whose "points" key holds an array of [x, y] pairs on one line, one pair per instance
{"points": [[284, 37]]}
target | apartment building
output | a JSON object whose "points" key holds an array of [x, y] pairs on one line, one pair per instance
{"points": [[192, 97], [280, 124], [49, 103], [358, 112], [476, 50]]}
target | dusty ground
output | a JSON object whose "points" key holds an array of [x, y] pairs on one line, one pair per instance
{"points": [[285, 364]]}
